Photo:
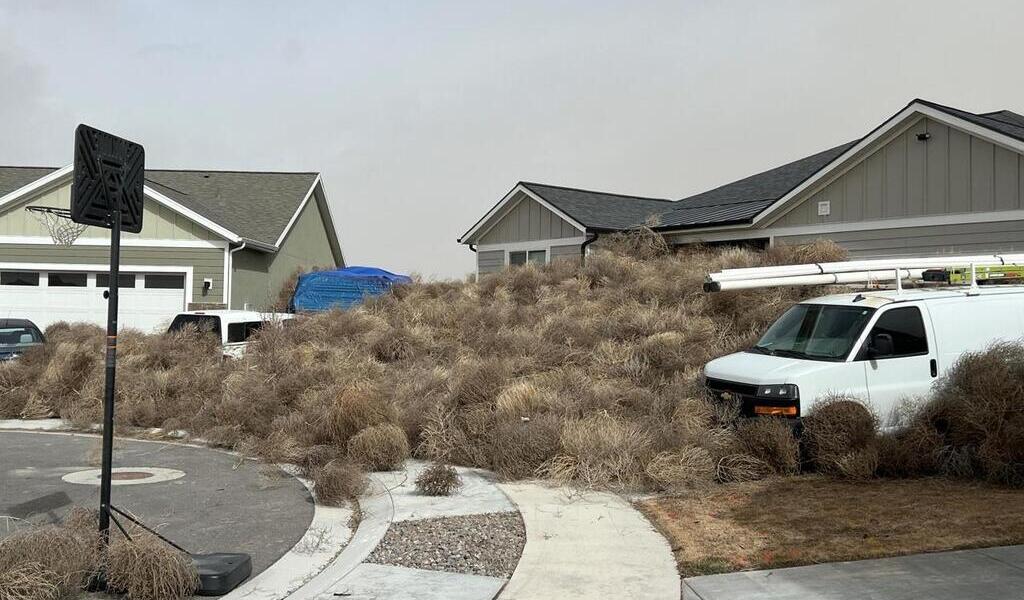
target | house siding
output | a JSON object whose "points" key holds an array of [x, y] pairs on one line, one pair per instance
{"points": [[306, 246], [960, 238], [952, 172], [569, 252], [206, 263], [490, 261], [158, 221], [249, 280], [527, 221]]}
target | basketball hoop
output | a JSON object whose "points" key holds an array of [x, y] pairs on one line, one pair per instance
{"points": [[63, 231]]}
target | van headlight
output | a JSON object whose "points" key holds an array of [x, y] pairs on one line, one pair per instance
{"points": [[784, 391]]}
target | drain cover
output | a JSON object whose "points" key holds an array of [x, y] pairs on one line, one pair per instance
{"points": [[125, 476]]}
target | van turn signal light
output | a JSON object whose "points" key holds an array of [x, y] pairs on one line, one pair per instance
{"points": [[775, 411]]}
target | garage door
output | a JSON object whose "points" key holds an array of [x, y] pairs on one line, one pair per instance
{"points": [[148, 301]]}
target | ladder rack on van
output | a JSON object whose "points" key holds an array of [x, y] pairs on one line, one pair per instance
{"points": [[963, 270]]}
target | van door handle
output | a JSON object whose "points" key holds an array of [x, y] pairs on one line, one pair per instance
{"points": [[935, 367]]}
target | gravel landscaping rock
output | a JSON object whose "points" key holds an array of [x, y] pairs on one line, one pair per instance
{"points": [[487, 544]]}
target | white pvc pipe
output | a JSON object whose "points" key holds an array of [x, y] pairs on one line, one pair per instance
{"points": [[862, 266], [819, 279]]}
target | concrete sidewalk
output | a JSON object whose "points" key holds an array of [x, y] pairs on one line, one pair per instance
{"points": [[589, 545], [984, 574]]}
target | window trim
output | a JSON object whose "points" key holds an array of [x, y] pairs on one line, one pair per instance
{"points": [[860, 354]]}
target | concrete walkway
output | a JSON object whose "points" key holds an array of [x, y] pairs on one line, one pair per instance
{"points": [[587, 545], [391, 498], [984, 574]]}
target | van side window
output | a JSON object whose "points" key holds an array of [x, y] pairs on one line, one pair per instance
{"points": [[241, 332], [907, 330]]}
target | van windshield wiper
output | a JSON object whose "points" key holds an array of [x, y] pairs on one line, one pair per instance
{"points": [[789, 353], [760, 350]]}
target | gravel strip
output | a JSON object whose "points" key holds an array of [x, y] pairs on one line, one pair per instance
{"points": [[487, 544]]}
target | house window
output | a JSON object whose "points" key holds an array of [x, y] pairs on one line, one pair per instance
{"points": [[537, 257], [67, 279], [19, 278], [165, 282], [124, 280]]}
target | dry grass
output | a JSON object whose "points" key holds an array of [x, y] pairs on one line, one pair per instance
{"points": [[438, 480], [840, 438], [66, 558], [27, 581], [379, 447], [338, 482], [788, 521], [147, 568]]}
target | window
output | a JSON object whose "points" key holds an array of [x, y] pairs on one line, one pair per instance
{"points": [[67, 279], [815, 332], [19, 278], [165, 282], [537, 257], [202, 323], [907, 330], [20, 335], [124, 280], [241, 332]]}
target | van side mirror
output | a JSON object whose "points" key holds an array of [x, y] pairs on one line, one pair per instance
{"points": [[880, 345]]}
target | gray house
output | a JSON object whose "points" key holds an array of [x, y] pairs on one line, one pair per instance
{"points": [[930, 179], [210, 239]]}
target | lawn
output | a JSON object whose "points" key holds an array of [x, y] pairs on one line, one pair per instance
{"points": [[790, 521]]}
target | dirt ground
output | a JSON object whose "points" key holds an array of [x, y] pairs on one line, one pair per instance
{"points": [[790, 521]]}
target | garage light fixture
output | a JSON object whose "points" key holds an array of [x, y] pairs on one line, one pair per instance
{"points": [[924, 137]]}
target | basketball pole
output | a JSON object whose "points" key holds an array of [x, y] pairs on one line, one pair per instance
{"points": [[111, 367]]}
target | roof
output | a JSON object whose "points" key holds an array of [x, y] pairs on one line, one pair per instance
{"points": [[599, 210], [735, 203], [876, 298], [255, 205], [742, 200], [12, 178]]}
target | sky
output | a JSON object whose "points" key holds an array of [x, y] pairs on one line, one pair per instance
{"points": [[421, 115]]}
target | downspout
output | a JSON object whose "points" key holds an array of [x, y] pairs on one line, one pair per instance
{"points": [[587, 242], [472, 247], [231, 273]]}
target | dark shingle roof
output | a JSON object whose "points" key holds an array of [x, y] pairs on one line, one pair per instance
{"points": [[1004, 121], [255, 205], [12, 178], [599, 210], [733, 203], [742, 200]]}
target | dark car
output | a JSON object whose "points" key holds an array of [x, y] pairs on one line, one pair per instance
{"points": [[17, 336]]}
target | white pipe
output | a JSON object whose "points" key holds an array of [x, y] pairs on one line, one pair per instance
{"points": [[819, 279], [862, 265]]}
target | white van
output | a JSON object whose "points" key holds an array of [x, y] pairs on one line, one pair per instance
{"points": [[232, 327], [880, 346]]}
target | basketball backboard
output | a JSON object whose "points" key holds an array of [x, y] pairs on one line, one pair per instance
{"points": [[108, 170]]}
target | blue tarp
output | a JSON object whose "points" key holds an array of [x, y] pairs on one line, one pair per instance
{"points": [[342, 288]]}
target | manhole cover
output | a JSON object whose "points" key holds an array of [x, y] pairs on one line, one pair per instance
{"points": [[129, 475], [125, 476]]}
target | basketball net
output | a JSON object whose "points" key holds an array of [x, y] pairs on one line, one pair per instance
{"points": [[63, 231]]}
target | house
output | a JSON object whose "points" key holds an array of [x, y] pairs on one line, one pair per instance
{"points": [[930, 179], [210, 239]]}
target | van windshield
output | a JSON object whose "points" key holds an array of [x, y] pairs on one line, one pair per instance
{"points": [[815, 332]]}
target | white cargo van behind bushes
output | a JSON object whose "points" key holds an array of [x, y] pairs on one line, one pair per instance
{"points": [[882, 347], [232, 327]]}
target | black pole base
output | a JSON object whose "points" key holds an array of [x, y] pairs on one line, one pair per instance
{"points": [[221, 572], [97, 583]]}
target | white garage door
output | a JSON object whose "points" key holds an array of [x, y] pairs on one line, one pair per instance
{"points": [[148, 301]]}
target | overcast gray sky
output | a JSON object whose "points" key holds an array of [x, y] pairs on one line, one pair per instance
{"points": [[422, 114]]}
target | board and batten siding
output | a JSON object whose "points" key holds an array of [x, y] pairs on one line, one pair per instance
{"points": [[490, 261], [206, 263], [952, 172], [570, 252], [158, 221], [528, 221], [958, 238]]}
